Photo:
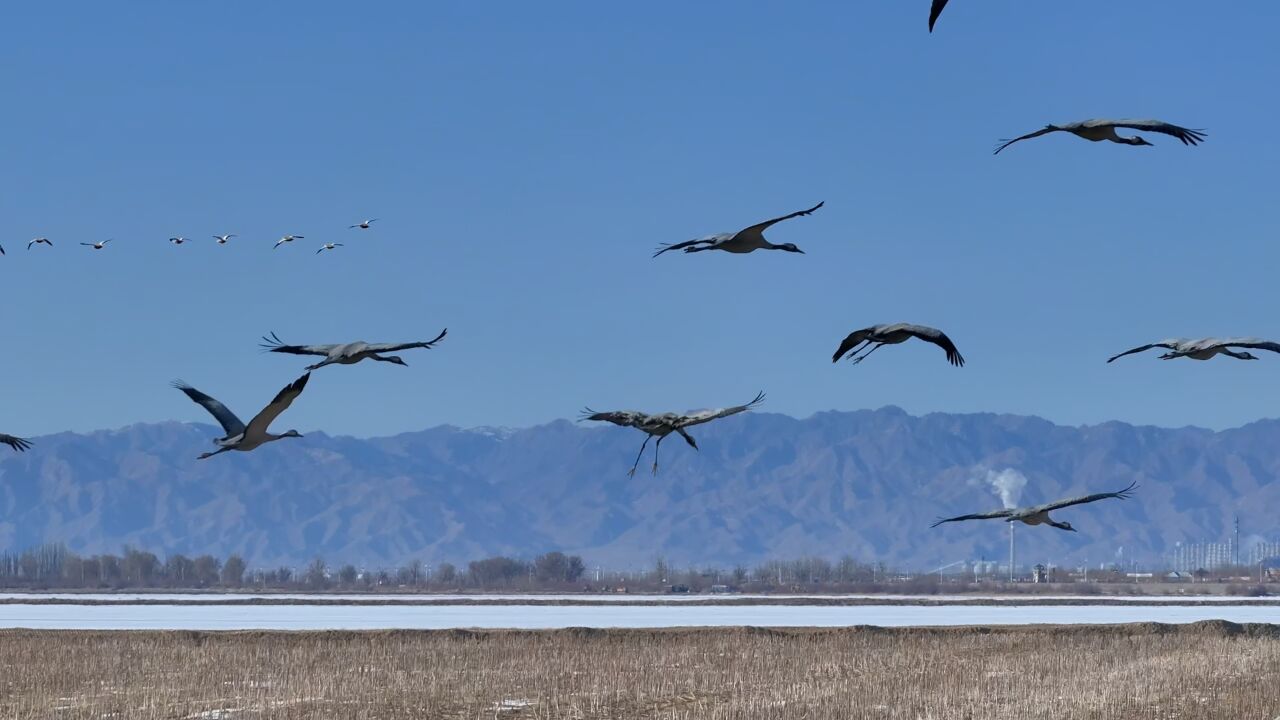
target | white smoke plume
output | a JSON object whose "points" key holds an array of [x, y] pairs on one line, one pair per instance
{"points": [[1007, 484]]}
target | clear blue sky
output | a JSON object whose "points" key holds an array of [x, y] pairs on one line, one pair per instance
{"points": [[525, 159]]}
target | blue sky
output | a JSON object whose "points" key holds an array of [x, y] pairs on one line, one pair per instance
{"points": [[525, 160]]}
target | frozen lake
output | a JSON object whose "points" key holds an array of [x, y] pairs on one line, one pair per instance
{"points": [[339, 617]]}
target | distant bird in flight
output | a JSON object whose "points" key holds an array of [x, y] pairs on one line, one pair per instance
{"points": [[40, 241], [347, 354], [177, 240], [1097, 130], [240, 436], [743, 241], [1205, 348], [97, 245], [363, 225], [222, 239], [287, 239], [935, 11], [1039, 514], [328, 246], [17, 443], [660, 426], [877, 336], [2, 249]]}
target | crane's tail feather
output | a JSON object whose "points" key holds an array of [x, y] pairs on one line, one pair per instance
{"points": [[270, 342]]}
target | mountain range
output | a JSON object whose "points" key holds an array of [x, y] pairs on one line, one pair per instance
{"points": [[763, 486]]}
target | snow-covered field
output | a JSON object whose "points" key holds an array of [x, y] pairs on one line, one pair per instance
{"points": [[338, 617]]}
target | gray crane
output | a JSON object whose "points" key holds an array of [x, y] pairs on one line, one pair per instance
{"points": [[328, 246], [223, 239], [177, 240], [935, 11], [363, 224], [40, 241], [1205, 348], [877, 336], [97, 245], [743, 241], [1097, 130], [246, 437], [349, 353], [287, 239], [17, 443], [660, 426], [1039, 514]]}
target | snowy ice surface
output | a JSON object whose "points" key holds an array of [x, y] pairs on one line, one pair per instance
{"points": [[339, 617]]}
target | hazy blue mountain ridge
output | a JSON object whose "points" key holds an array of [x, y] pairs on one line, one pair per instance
{"points": [[763, 486]]}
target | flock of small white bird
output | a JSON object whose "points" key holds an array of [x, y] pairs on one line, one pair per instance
{"points": [[223, 239], [856, 347]]}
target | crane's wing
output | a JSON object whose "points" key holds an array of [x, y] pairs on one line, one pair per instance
{"points": [[1254, 343], [851, 342], [760, 227], [279, 404], [271, 343], [89, 244], [1187, 136], [17, 443], [703, 416], [1043, 131], [227, 419], [388, 347], [708, 240], [935, 11], [976, 516], [939, 338], [625, 418], [1171, 344], [1086, 499]]}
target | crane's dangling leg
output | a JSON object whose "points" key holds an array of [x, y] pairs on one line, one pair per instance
{"points": [[656, 447], [632, 471], [848, 354], [864, 355], [211, 454]]}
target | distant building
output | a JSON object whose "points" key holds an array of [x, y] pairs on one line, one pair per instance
{"points": [[720, 589], [1039, 574], [1263, 552], [1189, 557]]}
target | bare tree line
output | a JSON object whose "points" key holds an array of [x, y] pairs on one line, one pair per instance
{"points": [[52, 566]]}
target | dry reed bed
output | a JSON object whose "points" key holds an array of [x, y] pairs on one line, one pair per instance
{"points": [[726, 601], [1134, 672]]}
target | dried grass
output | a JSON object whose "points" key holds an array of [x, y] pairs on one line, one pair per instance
{"points": [[1133, 672]]}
